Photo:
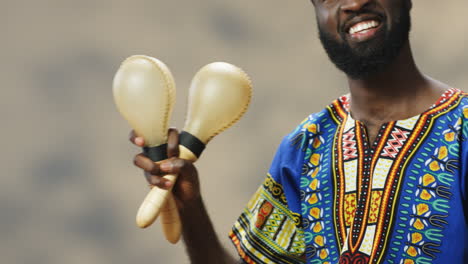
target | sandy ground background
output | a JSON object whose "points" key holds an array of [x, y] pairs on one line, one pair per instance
{"points": [[68, 189]]}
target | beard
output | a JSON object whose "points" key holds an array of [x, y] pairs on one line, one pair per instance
{"points": [[372, 56]]}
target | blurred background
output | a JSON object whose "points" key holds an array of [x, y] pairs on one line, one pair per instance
{"points": [[68, 189]]}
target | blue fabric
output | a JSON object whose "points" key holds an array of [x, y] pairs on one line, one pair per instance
{"points": [[401, 199]]}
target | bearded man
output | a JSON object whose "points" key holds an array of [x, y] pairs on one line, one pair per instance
{"points": [[378, 176]]}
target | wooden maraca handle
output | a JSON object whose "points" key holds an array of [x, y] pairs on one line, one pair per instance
{"points": [[147, 214], [151, 206], [154, 201], [170, 220]]}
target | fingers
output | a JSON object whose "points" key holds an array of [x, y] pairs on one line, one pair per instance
{"points": [[152, 171], [143, 162], [173, 143], [139, 141], [177, 166], [155, 172], [158, 181]]}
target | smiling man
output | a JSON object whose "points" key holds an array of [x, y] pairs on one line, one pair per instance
{"points": [[378, 176]]}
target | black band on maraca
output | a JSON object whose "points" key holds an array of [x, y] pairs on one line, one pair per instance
{"points": [[192, 143], [157, 153]]}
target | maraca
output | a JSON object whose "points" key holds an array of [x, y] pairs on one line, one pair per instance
{"points": [[144, 92], [219, 95]]}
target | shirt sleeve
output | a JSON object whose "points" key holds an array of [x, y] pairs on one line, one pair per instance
{"points": [[269, 229]]}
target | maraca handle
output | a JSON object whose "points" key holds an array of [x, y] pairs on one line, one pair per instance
{"points": [[170, 220], [151, 206], [154, 201]]}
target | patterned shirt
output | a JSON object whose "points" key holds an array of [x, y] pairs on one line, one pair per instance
{"points": [[331, 196]]}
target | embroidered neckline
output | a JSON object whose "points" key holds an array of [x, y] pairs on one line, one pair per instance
{"points": [[345, 100]]}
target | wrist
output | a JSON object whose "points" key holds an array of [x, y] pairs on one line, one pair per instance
{"points": [[192, 209], [201, 241]]}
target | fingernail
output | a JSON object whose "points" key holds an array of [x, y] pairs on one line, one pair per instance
{"points": [[166, 166], [168, 184], [139, 141]]}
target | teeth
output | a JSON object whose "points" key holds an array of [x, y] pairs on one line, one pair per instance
{"points": [[363, 26]]}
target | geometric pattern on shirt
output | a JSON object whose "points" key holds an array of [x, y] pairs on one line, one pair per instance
{"points": [[394, 144], [350, 207], [267, 231], [354, 213], [319, 240], [427, 219], [424, 210], [349, 145], [432, 174], [425, 216]]}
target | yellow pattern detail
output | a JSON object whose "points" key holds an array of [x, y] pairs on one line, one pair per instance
{"points": [[313, 185], [314, 159], [425, 195], [428, 179], [323, 254], [412, 251], [315, 212], [434, 166], [314, 173], [286, 233], [317, 228], [418, 224], [416, 237], [350, 208], [284, 236], [316, 143], [376, 198], [319, 240], [450, 136], [312, 128], [422, 208], [313, 199], [443, 152]]}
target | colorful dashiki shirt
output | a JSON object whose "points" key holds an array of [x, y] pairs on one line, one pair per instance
{"points": [[333, 197]]}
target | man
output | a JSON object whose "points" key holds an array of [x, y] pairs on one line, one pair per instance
{"points": [[379, 176]]}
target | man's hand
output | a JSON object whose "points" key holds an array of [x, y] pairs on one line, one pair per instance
{"points": [[200, 239], [187, 186]]}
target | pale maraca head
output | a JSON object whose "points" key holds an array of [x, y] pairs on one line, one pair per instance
{"points": [[144, 92], [219, 95]]}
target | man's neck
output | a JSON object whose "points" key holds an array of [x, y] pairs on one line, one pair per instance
{"points": [[398, 92]]}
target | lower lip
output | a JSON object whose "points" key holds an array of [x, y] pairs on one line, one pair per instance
{"points": [[364, 35]]}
